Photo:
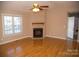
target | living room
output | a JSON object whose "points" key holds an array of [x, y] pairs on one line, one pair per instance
{"points": [[43, 32]]}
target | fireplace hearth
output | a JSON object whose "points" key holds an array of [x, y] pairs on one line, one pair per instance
{"points": [[37, 32]]}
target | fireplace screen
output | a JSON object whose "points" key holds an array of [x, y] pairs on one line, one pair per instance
{"points": [[37, 32]]}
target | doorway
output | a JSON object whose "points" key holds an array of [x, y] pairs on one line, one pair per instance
{"points": [[73, 32], [72, 28]]}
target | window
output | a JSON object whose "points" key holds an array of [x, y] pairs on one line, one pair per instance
{"points": [[12, 24]]}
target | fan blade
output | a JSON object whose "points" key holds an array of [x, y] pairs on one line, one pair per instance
{"points": [[44, 6], [40, 8]]}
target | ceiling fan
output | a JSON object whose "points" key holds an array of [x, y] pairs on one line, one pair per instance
{"points": [[36, 7]]}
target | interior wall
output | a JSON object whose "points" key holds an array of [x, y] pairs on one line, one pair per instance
{"points": [[0, 28], [56, 21], [27, 19], [38, 17], [56, 25], [25, 24]]}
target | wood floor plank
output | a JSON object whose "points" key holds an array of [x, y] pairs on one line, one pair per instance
{"points": [[47, 47]]}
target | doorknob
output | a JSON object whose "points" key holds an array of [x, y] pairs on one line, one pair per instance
{"points": [[77, 30]]}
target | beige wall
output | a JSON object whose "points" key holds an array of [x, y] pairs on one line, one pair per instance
{"points": [[27, 18], [26, 27], [0, 28], [56, 22], [37, 18], [57, 19]]}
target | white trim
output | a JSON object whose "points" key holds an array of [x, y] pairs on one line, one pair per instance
{"points": [[58, 37], [30, 37], [13, 40], [77, 40], [9, 14], [55, 37], [12, 15], [38, 38]]}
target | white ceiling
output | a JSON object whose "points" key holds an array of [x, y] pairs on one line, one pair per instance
{"points": [[21, 5], [24, 6]]}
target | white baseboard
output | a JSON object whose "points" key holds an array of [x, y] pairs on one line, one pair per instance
{"points": [[31, 37], [55, 37], [13, 40], [58, 37]]}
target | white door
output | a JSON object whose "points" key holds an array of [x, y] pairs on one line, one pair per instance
{"points": [[70, 28]]}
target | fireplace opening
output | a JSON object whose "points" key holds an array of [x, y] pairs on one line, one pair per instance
{"points": [[37, 32]]}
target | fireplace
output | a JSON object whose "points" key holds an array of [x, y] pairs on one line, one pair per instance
{"points": [[37, 32]]}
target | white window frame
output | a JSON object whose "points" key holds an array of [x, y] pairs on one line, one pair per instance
{"points": [[13, 15]]}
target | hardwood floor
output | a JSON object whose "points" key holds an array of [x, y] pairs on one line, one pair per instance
{"points": [[47, 47]]}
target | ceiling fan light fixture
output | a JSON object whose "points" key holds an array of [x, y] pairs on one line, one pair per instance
{"points": [[35, 9], [35, 5]]}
